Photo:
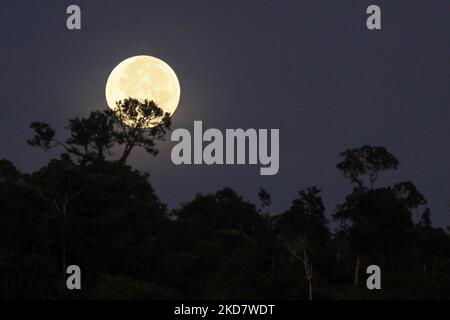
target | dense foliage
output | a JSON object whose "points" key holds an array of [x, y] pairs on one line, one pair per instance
{"points": [[105, 217]]}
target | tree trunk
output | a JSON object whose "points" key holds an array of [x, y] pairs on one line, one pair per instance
{"points": [[126, 153], [357, 266], [310, 290], [63, 258], [308, 272], [64, 232]]}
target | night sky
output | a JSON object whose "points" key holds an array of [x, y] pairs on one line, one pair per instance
{"points": [[310, 68]]}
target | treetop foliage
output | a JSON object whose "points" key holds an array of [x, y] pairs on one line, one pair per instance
{"points": [[91, 209]]}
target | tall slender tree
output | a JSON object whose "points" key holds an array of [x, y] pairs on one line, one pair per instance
{"points": [[357, 165]]}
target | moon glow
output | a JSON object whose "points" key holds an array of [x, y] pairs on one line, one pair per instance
{"points": [[144, 78]]}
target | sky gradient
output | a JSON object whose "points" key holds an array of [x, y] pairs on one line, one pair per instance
{"points": [[309, 68]]}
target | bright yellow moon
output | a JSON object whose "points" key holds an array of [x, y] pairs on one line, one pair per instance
{"points": [[144, 77]]}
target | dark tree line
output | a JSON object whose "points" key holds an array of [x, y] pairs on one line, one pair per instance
{"points": [[91, 209]]}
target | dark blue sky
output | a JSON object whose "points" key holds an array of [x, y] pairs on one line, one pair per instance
{"points": [[309, 68]]}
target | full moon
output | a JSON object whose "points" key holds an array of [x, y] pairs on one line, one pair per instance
{"points": [[144, 78]]}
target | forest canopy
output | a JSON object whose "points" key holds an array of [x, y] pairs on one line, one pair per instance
{"points": [[91, 209]]}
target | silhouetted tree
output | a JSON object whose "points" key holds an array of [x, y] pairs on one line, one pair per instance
{"points": [[366, 161], [297, 249], [131, 124], [58, 184], [304, 231]]}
